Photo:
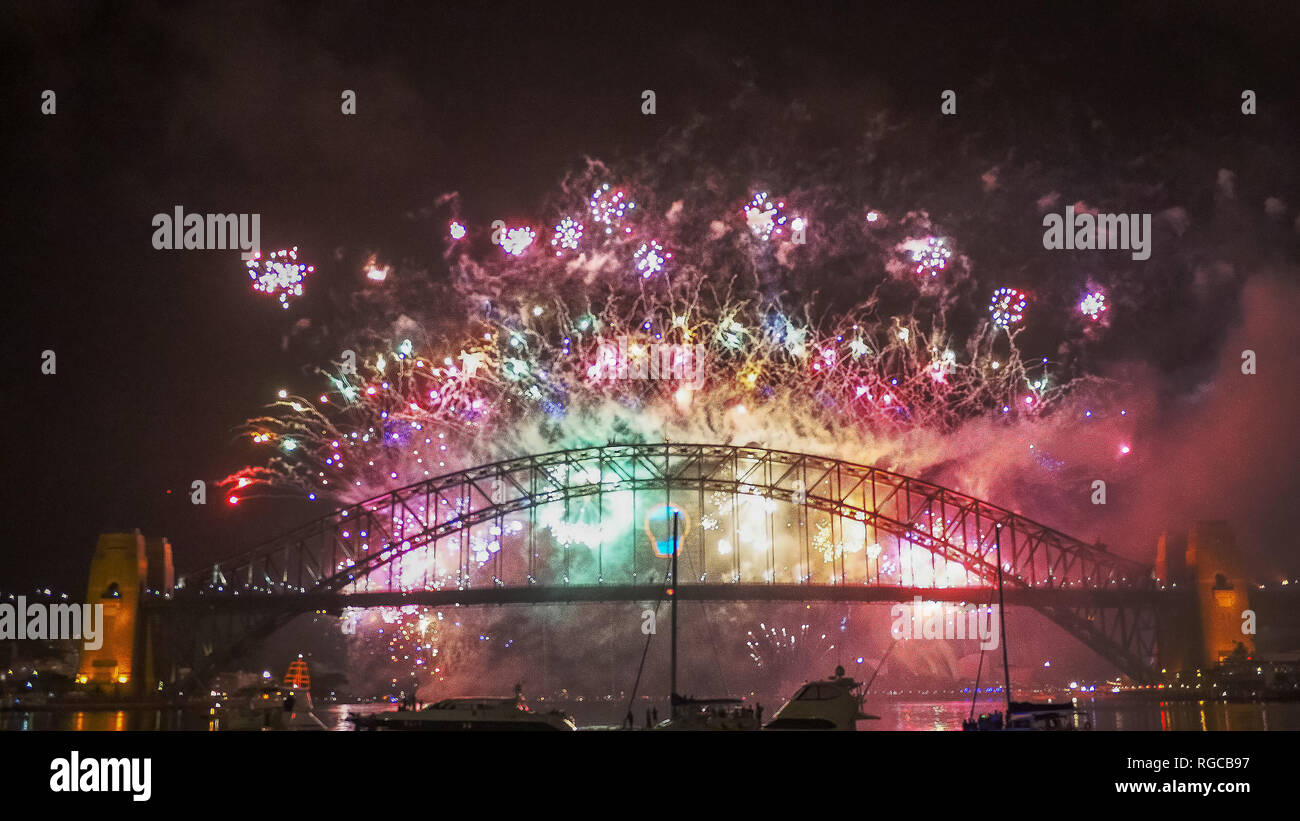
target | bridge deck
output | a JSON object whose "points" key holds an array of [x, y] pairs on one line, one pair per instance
{"points": [[541, 594]]}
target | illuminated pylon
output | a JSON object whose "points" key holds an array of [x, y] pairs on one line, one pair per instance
{"points": [[297, 676]]}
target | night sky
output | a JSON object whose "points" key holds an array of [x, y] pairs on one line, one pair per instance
{"points": [[161, 354]]}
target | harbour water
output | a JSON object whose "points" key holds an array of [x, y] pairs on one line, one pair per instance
{"points": [[909, 715]]}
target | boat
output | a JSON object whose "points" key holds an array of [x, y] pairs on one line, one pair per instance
{"points": [[833, 703], [268, 707], [1028, 715], [1019, 715], [286, 706], [689, 713], [465, 713], [710, 714]]}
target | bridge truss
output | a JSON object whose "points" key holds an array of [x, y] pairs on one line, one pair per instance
{"points": [[579, 525]]}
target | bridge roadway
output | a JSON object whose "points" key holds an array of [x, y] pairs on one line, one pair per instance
{"points": [[571, 594]]}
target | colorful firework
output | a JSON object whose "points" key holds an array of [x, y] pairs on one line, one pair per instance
{"points": [[650, 259], [465, 379], [1007, 307], [567, 236], [932, 258], [278, 274], [608, 207], [410, 414], [515, 241], [786, 654], [421, 643]]}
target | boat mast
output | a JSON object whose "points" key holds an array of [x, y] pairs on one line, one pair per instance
{"points": [[1002, 626], [672, 594]]}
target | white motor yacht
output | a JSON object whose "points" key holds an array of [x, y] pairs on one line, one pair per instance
{"points": [[469, 713], [834, 703]]}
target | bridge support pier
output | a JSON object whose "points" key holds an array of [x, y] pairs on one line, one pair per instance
{"points": [[126, 569], [1208, 565]]}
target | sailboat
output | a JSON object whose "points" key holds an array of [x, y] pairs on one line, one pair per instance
{"points": [[1019, 715], [834, 703], [690, 713]]}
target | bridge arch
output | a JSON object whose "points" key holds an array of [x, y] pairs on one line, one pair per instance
{"points": [[350, 550]]}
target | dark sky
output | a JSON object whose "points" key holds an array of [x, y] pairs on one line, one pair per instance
{"points": [[236, 109]]}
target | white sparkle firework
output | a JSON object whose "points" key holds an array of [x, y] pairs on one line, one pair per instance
{"points": [[1093, 305], [933, 258], [1007, 306], [764, 216], [514, 241], [567, 236], [651, 258], [609, 206], [280, 273], [456, 230]]}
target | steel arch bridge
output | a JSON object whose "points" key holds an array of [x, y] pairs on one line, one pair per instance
{"points": [[858, 533]]}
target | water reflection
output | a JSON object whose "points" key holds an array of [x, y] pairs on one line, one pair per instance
{"points": [[1180, 716], [1107, 714]]}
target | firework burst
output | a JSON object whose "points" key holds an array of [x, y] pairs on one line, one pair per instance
{"points": [[279, 274], [567, 236], [533, 352], [608, 208], [785, 654], [932, 257], [515, 241], [1093, 305], [1007, 307], [765, 217], [650, 259]]}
